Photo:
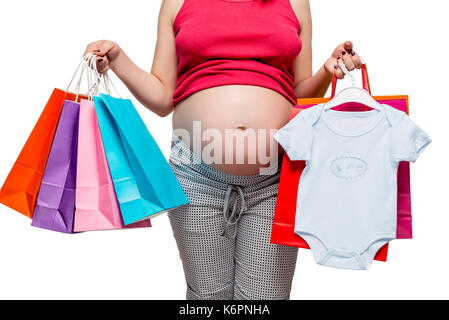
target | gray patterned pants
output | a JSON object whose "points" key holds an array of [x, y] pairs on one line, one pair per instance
{"points": [[223, 235]]}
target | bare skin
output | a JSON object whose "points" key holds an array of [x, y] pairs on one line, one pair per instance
{"points": [[239, 109]]}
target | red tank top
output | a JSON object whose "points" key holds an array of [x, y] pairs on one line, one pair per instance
{"points": [[249, 42]]}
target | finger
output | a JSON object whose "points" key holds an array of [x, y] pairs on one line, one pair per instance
{"points": [[91, 48], [102, 62], [104, 48], [338, 71], [348, 62], [347, 45], [102, 65], [87, 51], [356, 60], [339, 74], [103, 70]]}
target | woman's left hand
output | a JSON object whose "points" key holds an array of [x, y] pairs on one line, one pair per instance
{"points": [[344, 52]]}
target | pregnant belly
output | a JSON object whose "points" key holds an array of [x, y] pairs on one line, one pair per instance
{"points": [[231, 127]]}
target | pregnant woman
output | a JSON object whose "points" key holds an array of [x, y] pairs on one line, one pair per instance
{"points": [[230, 71]]}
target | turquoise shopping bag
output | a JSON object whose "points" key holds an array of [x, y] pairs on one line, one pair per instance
{"points": [[143, 180]]}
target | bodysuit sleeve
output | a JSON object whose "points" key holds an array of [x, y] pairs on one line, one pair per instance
{"points": [[296, 138], [408, 140]]}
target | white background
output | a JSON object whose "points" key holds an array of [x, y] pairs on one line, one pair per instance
{"points": [[405, 46]]}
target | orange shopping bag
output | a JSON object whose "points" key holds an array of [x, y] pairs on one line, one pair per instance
{"points": [[284, 218], [21, 187]]}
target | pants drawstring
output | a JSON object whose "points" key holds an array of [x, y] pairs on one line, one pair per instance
{"points": [[232, 217]]}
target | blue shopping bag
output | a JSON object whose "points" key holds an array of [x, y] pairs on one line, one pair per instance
{"points": [[144, 182]]}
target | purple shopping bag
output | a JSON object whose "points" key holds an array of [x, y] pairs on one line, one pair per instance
{"points": [[56, 199]]}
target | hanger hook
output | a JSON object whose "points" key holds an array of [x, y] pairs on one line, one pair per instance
{"points": [[346, 71]]}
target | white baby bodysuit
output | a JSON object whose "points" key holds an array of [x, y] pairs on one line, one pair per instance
{"points": [[347, 197]]}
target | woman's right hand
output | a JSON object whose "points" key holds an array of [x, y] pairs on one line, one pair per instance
{"points": [[106, 52]]}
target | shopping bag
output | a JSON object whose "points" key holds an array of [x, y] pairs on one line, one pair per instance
{"points": [[96, 204], [284, 219], [144, 182], [20, 189], [56, 198]]}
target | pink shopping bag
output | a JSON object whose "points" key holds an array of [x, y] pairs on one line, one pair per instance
{"points": [[96, 203]]}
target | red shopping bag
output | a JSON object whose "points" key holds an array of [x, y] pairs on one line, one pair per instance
{"points": [[21, 187], [284, 218]]}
